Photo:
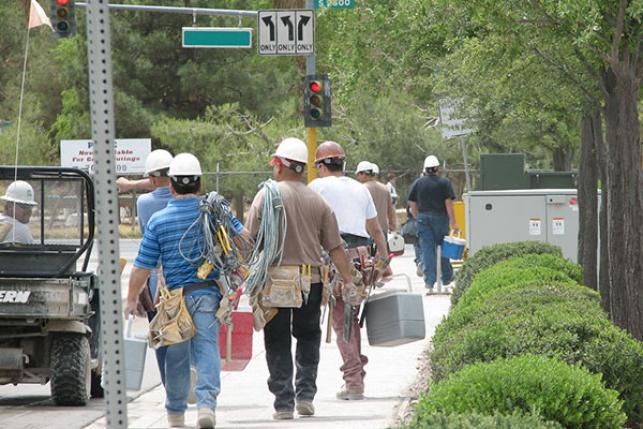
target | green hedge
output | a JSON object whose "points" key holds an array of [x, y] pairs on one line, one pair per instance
{"points": [[558, 320], [536, 292], [478, 421], [491, 255], [521, 269], [551, 388]]}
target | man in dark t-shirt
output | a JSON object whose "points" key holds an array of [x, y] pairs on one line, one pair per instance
{"points": [[431, 203]]}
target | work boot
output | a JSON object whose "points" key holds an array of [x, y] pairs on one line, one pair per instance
{"points": [[283, 415], [418, 270], [207, 418], [305, 408], [191, 394], [429, 290], [350, 394], [175, 420]]}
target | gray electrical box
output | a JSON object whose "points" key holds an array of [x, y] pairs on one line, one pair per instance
{"points": [[548, 215]]}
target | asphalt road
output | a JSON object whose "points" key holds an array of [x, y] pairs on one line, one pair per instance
{"points": [[30, 407]]}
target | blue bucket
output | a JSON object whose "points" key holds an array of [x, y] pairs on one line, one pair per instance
{"points": [[453, 247]]}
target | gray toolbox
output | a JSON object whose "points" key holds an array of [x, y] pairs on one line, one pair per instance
{"points": [[394, 317], [135, 351]]}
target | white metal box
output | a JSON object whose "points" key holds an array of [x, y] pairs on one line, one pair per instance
{"points": [[394, 318], [547, 215]]}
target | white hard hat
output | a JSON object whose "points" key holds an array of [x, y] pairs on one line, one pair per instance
{"points": [[20, 192], [376, 169], [431, 161], [157, 160], [364, 167], [292, 149], [185, 164], [395, 243]]}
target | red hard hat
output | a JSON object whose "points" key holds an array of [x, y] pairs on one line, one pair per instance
{"points": [[329, 149]]}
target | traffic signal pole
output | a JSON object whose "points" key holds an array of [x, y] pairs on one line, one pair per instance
{"points": [[311, 134]]}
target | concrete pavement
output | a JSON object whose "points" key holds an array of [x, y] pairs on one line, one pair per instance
{"points": [[246, 403]]}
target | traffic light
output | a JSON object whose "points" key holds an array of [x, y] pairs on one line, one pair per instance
{"points": [[317, 111], [63, 17]]}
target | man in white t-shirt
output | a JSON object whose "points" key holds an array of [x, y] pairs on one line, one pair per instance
{"points": [[18, 204], [357, 220]]}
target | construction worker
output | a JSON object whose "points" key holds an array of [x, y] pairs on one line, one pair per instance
{"points": [[357, 220], [171, 239], [390, 185], [157, 165], [367, 175], [311, 225], [431, 203], [19, 203], [383, 203]]}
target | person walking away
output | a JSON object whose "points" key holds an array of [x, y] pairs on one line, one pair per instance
{"points": [[383, 204], [357, 219], [431, 203], [311, 226], [18, 204], [171, 238]]}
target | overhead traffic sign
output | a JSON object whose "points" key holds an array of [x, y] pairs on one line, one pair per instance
{"points": [[286, 32], [214, 37], [334, 4]]}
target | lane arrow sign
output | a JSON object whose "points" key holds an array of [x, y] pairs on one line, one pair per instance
{"points": [[303, 21], [271, 25], [291, 28]]}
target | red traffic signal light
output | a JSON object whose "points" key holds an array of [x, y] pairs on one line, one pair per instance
{"points": [[317, 111], [315, 86], [62, 2]]}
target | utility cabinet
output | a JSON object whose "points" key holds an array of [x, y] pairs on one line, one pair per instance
{"points": [[547, 215]]}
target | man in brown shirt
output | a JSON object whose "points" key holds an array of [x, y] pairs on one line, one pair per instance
{"points": [[381, 196], [311, 225]]}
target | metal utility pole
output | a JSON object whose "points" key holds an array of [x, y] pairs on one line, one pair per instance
{"points": [[99, 54], [311, 135]]}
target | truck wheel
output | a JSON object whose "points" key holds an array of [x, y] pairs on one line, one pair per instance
{"points": [[96, 389], [70, 369]]}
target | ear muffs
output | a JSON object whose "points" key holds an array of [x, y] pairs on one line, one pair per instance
{"points": [[299, 168]]}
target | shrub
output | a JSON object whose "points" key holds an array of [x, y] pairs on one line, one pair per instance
{"points": [[558, 320], [490, 255], [478, 421], [535, 293], [521, 269], [553, 389]]}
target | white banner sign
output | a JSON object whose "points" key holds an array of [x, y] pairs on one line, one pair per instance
{"points": [[130, 155], [452, 125]]}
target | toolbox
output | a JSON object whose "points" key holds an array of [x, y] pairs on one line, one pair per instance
{"points": [[394, 317], [240, 345]]}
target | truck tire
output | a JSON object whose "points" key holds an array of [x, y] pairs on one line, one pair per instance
{"points": [[70, 369]]}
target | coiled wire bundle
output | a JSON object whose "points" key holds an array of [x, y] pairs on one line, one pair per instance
{"points": [[269, 245]]}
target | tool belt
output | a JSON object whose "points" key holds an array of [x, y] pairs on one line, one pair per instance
{"points": [[287, 286], [173, 323], [353, 241]]}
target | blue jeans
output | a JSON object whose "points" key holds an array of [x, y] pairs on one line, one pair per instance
{"points": [[431, 231], [204, 348]]}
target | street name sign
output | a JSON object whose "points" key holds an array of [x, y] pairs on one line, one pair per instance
{"points": [[216, 37], [334, 4], [286, 32]]}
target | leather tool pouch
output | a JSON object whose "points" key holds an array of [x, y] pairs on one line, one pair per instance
{"points": [[283, 288], [305, 280], [173, 323], [326, 286]]}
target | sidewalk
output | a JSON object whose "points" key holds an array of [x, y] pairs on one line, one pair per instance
{"points": [[246, 403]]}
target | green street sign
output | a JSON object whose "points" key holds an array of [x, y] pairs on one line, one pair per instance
{"points": [[335, 4], [195, 37]]}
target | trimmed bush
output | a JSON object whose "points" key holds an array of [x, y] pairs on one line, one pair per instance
{"points": [[491, 255], [535, 293], [521, 269], [553, 389], [558, 320], [478, 421]]}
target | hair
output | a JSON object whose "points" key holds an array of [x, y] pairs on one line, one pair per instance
{"points": [[184, 185], [333, 164]]}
